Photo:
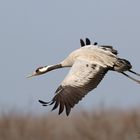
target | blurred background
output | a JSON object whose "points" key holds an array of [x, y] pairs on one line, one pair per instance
{"points": [[35, 33]]}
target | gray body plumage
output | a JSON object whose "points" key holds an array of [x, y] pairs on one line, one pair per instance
{"points": [[89, 64]]}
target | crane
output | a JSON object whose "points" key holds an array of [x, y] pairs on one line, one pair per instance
{"points": [[89, 64]]}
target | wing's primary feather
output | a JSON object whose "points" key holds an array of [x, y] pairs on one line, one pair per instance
{"points": [[82, 78], [88, 41], [82, 43]]}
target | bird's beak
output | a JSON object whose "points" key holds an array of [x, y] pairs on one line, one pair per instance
{"points": [[31, 75]]}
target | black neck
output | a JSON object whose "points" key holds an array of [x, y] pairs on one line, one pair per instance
{"points": [[57, 66]]}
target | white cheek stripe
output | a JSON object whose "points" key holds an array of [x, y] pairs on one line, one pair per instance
{"points": [[43, 69]]}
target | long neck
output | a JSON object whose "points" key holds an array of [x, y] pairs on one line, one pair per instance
{"points": [[53, 67], [64, 63]]}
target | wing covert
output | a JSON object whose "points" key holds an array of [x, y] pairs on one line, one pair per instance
{"points": [[82, 78]]}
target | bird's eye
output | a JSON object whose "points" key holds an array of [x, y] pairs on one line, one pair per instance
{"points": [[38, 69]]}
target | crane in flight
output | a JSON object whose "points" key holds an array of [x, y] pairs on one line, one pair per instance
{"points": [[89, 64]]}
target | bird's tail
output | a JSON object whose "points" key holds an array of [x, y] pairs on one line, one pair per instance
{"points": [[123, 65]]}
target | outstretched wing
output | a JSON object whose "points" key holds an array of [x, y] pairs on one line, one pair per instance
{"points": [[82, 78]]}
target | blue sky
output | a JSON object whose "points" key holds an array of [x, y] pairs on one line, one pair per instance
{"points": [[35, 33]]}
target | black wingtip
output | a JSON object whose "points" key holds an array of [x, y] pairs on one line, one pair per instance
{"points": [[68, 111], [61, 107], [55, 105], [82, 43], [95, 43], [44, 103], [88, 41]]}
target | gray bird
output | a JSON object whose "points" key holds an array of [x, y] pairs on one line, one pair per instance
{"points": [[89, 64]]}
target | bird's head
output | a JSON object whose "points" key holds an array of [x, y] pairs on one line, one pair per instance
{"points": [[39, 71], [44, 69]]}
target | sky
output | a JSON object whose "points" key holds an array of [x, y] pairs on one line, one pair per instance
{"points": [[34, 33]]}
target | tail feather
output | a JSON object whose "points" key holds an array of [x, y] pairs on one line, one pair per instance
{"points": [[122, 65]]}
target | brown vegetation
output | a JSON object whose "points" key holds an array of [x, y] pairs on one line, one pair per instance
{"points": [[98, 125]]}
